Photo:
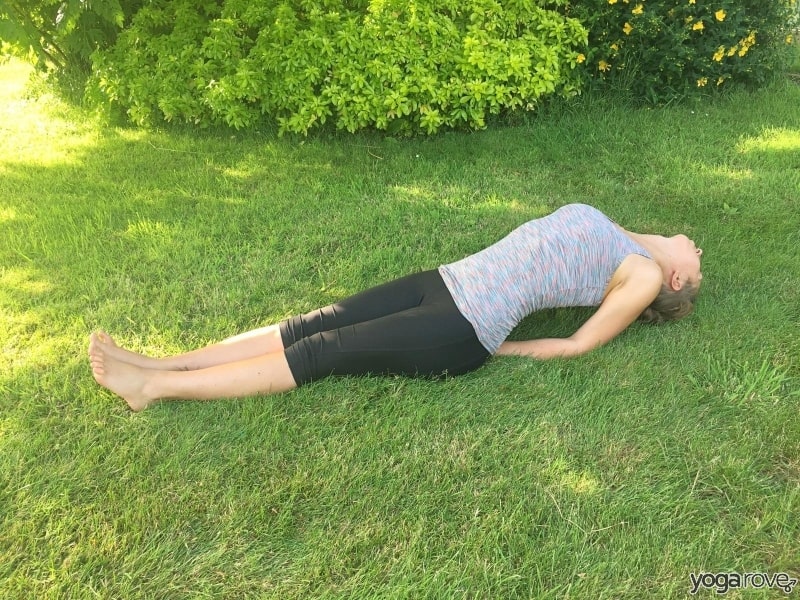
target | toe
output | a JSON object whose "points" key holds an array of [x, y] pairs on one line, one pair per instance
{"points": [[96, 356], [105, 338]]}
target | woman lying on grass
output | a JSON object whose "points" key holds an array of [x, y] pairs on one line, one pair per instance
{"points": [[446, 321]]}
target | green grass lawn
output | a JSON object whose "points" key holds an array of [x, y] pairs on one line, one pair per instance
{"points": [[673, 450]]}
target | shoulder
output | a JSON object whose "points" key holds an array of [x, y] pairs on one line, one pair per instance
{"points": [[637, 266], [637, 271], [634, 286]]}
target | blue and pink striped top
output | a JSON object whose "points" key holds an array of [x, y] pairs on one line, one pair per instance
{"points": [[564, 259]]}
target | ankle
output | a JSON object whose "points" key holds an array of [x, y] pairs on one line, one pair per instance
{"points": [[172, 363], [152, 386]]}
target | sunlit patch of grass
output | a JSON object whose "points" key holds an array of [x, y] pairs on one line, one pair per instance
{"points": [[731, 173], [27, 309], [775, 139], [413, 192], [37, 130], [23, 280], [494, 201], [581, 483], [7, 213]]}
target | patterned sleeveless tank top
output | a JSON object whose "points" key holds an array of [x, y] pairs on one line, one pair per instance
{"points": [[564, 259]]}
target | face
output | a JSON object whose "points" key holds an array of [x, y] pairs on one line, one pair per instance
{"points": [[687, 259]]}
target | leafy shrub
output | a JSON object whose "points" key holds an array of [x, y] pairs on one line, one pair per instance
{"points": [[398, 65], [660, 50], [62, 34]]}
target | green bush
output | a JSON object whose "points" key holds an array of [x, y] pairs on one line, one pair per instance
{"points": [[660, 50], [397, 65], [61, 35]]}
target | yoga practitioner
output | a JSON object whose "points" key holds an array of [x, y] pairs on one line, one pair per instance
{"points": [[446, 321]]}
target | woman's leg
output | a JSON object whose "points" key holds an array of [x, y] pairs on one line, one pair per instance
{"points": [[427, 341], [429, 337], [251, 344], [388, 298], [140, 387]]}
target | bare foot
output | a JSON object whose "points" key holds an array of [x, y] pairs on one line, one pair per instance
{"points": [[110, 348], [122, 378]]}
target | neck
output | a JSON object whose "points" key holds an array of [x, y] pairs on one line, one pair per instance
{"points": [[658, 247]]}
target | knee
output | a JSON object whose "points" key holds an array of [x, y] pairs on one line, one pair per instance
{"points": [[302, 357]]}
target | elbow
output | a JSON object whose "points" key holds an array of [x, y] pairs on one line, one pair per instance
{"points": [[580, 346]]}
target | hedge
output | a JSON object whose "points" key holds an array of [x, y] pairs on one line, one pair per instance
{"points": [[398, 65], [662, 50]]}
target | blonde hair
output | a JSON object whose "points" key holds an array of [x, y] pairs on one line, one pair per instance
{"points": [[670, 305]]}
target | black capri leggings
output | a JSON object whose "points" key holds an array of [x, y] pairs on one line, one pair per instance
{"points": [[409, 326]]}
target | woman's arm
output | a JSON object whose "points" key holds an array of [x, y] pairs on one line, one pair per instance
{"points": [[636, 290], [540, 349]]}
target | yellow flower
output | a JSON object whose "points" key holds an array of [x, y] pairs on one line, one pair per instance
{"points": [[720, 81], [580, 58], [603, 66], [638, 10], [691, 1], [746, 43], [698, 26], [719, 54], [720, 14], [612, 1], [702, 81], [789, 39], [733, 50], [627, 28], [615, 47]]}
